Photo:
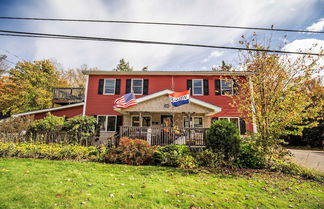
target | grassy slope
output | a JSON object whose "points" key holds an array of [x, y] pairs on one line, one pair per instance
{"points": [[28, 183]]}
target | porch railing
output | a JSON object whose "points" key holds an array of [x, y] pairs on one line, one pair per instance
{"points": [[68, 95], [166, 135]]}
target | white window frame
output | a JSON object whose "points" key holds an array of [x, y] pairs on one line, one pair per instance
{"points": [[221, 86], [150, 116], [106, 122], [191, 122], [202, 87], [238, 121], [104, 87], [132, 90], [202, 120]]}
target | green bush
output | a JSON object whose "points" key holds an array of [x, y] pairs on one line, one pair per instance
{"points": [[209, 159], [224, 137], [170, 155], [188, 162], [49, 124], [250, 155], [81, 128], [130, 152], [51, 151]]}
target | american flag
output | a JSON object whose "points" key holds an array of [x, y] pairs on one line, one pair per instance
{"points": [[125, 101]]}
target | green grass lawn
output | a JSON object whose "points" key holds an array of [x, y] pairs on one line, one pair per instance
{"points": [[29, 183]]}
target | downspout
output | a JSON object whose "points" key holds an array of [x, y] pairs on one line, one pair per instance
{"points": [[85, 95], [252, 106]]}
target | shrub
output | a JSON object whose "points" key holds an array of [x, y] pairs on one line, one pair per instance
{"points": [[224, 137], [170, 155], [49, 124], [209, 159], [81, 128], [188, 162], [50, 151], [130, 152], [250, 155]]}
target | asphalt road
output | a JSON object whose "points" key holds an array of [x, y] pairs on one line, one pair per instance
{"points": [[309, 158]]}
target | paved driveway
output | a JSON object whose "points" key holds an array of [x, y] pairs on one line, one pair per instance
{"points": [[309, 158]]}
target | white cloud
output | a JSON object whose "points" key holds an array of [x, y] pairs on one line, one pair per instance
{"points": [[105, 55], [307, 45], [214, 54], [318, 26]]}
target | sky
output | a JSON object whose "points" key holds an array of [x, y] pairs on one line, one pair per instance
{"points": [[291, 14]]}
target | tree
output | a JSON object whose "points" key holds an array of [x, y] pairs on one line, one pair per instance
{"points": [[223, 67], [75, 77], [3, 65], [123, 66], [29, 86], [277, 94]]}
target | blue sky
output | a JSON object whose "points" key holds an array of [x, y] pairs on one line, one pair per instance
{"points": [[293, 14]]}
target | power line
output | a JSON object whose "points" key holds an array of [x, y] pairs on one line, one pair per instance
{"points": [[89, 38], [161, 23]]}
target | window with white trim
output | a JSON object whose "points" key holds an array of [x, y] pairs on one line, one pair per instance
{"points": [[197, 122], [197, 87], [227, 87], [109, 86], [137, 86], [234, 120], [146, 120], [107, 123]]}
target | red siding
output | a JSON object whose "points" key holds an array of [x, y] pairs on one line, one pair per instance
{"points": [[102, 104], [68, 112]]}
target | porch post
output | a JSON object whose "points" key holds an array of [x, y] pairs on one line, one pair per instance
{"points": [[140, 118]]}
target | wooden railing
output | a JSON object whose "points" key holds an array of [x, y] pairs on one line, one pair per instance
{"points": [[166, 135], [68, 95]]}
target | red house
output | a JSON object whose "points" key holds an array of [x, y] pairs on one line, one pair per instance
{"points": [[154, 117]]}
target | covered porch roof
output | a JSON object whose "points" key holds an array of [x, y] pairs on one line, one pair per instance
{"points": [[160, 102]]}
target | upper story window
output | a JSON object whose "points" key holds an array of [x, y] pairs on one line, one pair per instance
{"points": [[197, 86], [109, 86], [227, 87], [137, 86]]}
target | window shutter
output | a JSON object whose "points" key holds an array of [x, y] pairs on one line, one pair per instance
{"points": [[206, 87], [101, 86], [217, 87], [235, 87], [128, 85], [119, 122], [242, 126], [145, 87], [117, 87], [189, 86]]}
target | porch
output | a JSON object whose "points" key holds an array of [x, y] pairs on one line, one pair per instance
{"points": [[166, 135]]}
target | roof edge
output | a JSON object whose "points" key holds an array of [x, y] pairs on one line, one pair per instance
{"points": [[167, 73], [47, 110]]}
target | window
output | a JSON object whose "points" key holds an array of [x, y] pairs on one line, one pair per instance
{"points": [[234, 120], [146, 120], [227, 87], [109, 86], [197, 122], [197, 86], [107, 123], [137, 86], [135, 121]]}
